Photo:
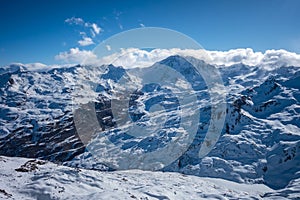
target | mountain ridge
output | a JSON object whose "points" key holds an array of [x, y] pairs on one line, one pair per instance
{"points": [[260, 131]]}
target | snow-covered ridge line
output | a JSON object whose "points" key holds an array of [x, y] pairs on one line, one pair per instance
{"points": [[129, 58], [38, 67]]}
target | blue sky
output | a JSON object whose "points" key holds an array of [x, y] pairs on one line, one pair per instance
{"points": [[37, 31]]}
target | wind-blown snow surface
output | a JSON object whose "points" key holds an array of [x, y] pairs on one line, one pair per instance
{"points": [[32, 179], [260, 142]]}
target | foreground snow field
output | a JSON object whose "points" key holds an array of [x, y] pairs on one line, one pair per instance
{"points": [[23, 178]]}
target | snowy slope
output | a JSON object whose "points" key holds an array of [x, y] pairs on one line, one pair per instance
{"points": [[261, 135], [32, 179]]}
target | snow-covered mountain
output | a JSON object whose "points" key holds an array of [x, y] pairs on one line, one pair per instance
{"points": [[259, 143]]}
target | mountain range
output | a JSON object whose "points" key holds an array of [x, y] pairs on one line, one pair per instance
{"points": [[43, 115]]}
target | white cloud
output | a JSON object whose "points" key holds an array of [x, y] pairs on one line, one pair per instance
{"points": [[140, 58], [108, 47], [93, 33], [132, 57], [93, 27], [96, 28], [249, 57], [35, 66], [75, 55], [75, 20], [281, 57], [86, 41], [246, 56]]}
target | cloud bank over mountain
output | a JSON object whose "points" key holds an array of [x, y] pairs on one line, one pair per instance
{"points": [[141, 58]]}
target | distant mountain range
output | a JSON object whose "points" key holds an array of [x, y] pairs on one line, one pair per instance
{"points": [[259, 142]]}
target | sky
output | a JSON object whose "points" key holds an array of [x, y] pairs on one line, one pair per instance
{"points": [[39, 30]]}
